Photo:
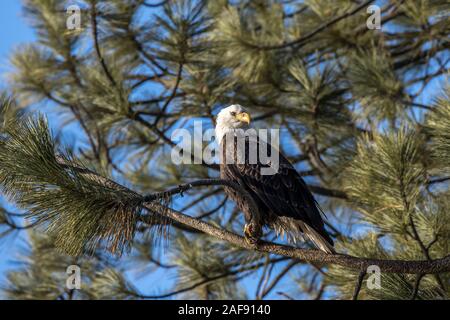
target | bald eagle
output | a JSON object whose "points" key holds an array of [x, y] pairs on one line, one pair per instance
{"points": [[284, 201]]}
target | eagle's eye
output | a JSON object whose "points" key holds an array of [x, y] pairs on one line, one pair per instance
{"points": [[233, 114]]}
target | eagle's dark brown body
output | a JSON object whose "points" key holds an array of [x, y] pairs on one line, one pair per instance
{"points": [[284, 201]]}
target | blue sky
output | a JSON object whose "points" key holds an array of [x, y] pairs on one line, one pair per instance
{"points": [[13, 31]]}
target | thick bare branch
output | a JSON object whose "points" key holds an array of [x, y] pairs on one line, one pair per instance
{"points": [[304, 255], [313, 256]]}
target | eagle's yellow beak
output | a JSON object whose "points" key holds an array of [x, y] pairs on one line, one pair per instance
{"points": [[243, 117]]}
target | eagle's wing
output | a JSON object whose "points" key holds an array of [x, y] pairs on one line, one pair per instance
{"points": [[283, 193]]}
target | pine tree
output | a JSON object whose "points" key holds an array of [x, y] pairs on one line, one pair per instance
{"points": [[364, 116]]}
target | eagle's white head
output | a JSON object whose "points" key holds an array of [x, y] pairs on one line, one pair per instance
{"points": [[231, 118]]}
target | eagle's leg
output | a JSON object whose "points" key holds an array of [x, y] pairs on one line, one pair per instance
{"points": [[252, 232]]}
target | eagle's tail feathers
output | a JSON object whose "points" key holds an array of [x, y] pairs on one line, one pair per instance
{"points": [[297, 230], [317, 239]]}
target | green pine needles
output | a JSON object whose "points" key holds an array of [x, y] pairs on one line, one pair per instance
{"points": [[80, 212]]}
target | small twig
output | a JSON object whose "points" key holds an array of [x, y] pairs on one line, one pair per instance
{"points": [[416, 104], [97, 46], [320, 293], [200, 199], [172, 96], [285, 295], [438, 180], [425, 251], [303, 40], [435, 239], [416, 286], [162, 265], [214, 210], [332, 193], [205, 182], [262, 278], [278, 278], [155, 5], [361, 275], [204, 282]]}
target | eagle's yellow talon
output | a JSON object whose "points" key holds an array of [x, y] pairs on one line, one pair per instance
{"points": [[250, 234]]}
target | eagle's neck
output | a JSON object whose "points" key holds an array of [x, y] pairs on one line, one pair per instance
{"points": [[222, 131]]}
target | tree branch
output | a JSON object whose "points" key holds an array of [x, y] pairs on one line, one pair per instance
{"points": [[207, 281], [361, 275], [309, 255], [416, 286], [278, 278], [97, 46], [305, 255], [302, 40], [425, 251]]}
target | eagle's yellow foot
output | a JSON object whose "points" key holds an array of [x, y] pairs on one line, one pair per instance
{"points": [[251, 235]]}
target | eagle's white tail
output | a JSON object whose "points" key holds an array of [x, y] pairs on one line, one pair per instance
{"points": [[297, 230], [317, 239]]}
